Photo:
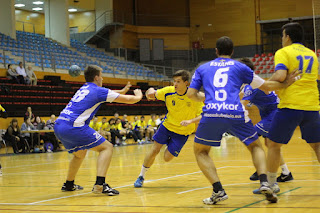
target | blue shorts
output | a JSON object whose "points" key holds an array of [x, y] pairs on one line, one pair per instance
{"points": [[77, 138], [174, 141], [210, 133], [286, 120], [264, 125]]}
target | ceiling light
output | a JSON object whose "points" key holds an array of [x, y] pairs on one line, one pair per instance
{"points": [[37, 2], [37, 8], [19, 5], [72, 10]]}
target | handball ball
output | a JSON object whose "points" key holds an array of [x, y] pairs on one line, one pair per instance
{"points": [[74, 70]]}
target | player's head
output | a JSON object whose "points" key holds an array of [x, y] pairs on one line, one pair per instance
{"points": [[118, 120], [181, 80], [292, 33], [136, 118], [247, 62], [93, 74], [224, 46], [111, 121], [104, 119], [142, 118]]}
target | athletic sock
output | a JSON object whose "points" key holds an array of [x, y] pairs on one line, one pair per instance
{"points": [[217, 187], [285, 169], [263, 178], [272, 178], [143, 171], [100, 180]]}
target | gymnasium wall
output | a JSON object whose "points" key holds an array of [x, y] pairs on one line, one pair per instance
{"points": [[129, 35], [78, 19]]}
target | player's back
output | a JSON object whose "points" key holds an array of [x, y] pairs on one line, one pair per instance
{"points": [[221, 80], [303, 94]]}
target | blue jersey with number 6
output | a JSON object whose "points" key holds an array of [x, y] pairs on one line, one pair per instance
{"points": [[85, 103], [221, 80]]}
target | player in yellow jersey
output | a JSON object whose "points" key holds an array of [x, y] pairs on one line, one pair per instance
{"points": [[299, 103], [179, 123], [94, 124], [105, 129], [151, 127]]}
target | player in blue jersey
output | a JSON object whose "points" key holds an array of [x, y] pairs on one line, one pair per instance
{"points": [[267, 104], [221, 80], [72, 128]]}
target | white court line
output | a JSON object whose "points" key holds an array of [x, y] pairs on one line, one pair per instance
{"points": [[233, 184], [42, 201]]}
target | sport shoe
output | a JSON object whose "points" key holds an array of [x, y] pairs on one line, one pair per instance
{"points": [[285, 178], [254, 176], [215, 198], [104, 189], [275, 188], [139, 182], [266, 190], [74, 188]]}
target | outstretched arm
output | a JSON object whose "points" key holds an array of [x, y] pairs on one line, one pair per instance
{"points": [[130, 99], [125, 89], [188, 122]]}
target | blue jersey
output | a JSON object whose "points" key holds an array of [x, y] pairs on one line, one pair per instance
{"points": [[221, 80], [85, 103], [265, 103]]}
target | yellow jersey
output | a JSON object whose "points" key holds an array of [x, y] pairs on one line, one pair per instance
{"points": [[302, 94], [118, 126], [152, 123], [180, 108], [105, 126], [141, 124], [95, 126]]}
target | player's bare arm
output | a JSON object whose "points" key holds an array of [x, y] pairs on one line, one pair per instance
{"points": [[188, 122], [130, 99], [196, 95], [125, 89], [151, 94]]}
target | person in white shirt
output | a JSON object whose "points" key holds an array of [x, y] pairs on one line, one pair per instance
{"points": [[31, 75], [21, 71]]}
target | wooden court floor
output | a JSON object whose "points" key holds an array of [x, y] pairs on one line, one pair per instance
{"points": [[32, 182]]}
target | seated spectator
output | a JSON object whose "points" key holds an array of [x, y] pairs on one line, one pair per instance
{"points": [[122, 131], [142, 126], [14, 76], [50, 136], [105, 129], [124, 120], [151, 128], [13, 137], [29, 114], [114, 132], [32, 76], [94, 124], [21, 71], [31, 139], [136, 129], [39, 124]]}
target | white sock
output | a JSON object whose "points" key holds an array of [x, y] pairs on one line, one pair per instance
{"points": [[285, 169], [272, 178], [143, 171]]}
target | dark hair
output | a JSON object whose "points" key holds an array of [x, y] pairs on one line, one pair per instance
{"points": [[142, 116], [247, 62], [14, 120], [20, 62], [224, 45], [104, 118], [111, 119], [9, 65], [91, 72], [295, 31], [185, 75]]}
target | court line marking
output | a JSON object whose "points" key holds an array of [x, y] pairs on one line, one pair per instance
{"points": [[245, 206]]}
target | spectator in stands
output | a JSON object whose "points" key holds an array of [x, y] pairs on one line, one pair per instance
{"points": [[136, 129], [122, 131], [124, 120], [29, 114], [14, 76], [141, 124], [116, 116], [50, 136], [39, 124], [114, 133], [27, 126], [13, 137], [105, 129], [21, 71], [94, 124], [31, 76], [50, 123], [151, 128]]}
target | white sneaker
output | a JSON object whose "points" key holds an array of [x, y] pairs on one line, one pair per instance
{"points": [[215, 198], [124, 143]]}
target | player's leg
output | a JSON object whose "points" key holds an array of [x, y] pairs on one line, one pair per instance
{"points": [[74, 166], [248, 135], [207, 135], [160, 138], [105, 150]]}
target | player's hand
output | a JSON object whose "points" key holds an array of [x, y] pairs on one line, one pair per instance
{"points": [[292, 77], [185, 122], [138, 93], [150, 94], [128, 85]]}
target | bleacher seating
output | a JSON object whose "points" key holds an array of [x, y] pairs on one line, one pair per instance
{"points": [[41, 51]]}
